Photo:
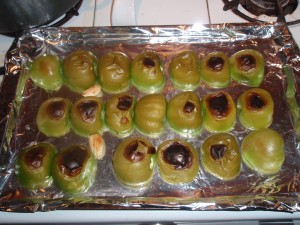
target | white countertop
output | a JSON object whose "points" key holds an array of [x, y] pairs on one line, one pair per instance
{"points": [[148, 12]]}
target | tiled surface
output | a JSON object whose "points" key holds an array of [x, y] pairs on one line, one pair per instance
{"points": [[218, 15], [157, 12], [102, 13], [86, 15], [170, 12]]}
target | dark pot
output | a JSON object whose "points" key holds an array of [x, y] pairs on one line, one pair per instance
{"points": [[18, 15]]}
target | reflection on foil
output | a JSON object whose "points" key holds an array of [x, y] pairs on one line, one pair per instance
{"points": [[20, 100]]}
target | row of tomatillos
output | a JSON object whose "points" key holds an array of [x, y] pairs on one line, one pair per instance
{"points": [[184, 113], [115, 71], [73, 168]]}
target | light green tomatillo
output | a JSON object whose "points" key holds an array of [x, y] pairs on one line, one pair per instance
{"points": [[114, 72], [79, 70], [46, 72], [53, 117], [74, 169], [247, 67], [86, 116], [146, 73], [134, 162], [184, 71], [33, 166]]}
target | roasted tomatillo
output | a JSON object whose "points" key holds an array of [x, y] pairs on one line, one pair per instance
{"points": [[150, 112], [74, 169], [79, 70], [184, 71], [215, 70], [86, 116], [53, 117], [184, 113], [46, 72], [255, 108], [247, 67], [219, 112], [114, 72], [221, 157], [33, 166], [134, 162], [178, 161], [146, 72], [263, 151], [119, 114]]}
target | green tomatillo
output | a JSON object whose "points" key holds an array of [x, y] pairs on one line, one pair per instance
{"points": [[33, 166]]}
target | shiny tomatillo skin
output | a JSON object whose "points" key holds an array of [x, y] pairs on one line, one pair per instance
{"points": [[215, 70], [247, 67], [46, 72], [263, 151], [177, 161], [134, 162], [184, 113], [184, 71], [114, 72], [86, 116], [221, 157], [53, 117], [146, 73], [150, 112], [219, 112], [79, 70], [33, 166], [119, 114], [74, 169], [255, 108]]}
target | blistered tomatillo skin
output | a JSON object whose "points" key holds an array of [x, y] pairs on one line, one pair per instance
{"points": [[114, 72], [149, 114], [79, 70], [119, 114], [184, 113], [247, 67], [184, 71], [33, 166], [177, 161], [263, 151], [146, 73], [53, 117], [74, 169], [46, 72], [221, 157], [219, 112], [134, 162], [255, 108], [86, 116], [215, 70]]}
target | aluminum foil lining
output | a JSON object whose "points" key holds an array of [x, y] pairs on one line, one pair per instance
{"points": [[20, 100]]}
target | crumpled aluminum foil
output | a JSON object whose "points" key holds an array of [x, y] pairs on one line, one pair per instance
{"points": [[249, 191]]}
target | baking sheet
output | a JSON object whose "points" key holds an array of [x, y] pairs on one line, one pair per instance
{"points": [[20, 100]]}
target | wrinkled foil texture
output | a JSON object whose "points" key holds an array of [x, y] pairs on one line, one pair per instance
{"points": [[20, 100]]}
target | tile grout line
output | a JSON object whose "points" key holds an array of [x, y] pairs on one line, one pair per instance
{"points": [[208, 11]]}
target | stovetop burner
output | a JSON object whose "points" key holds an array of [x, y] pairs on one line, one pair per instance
{"points": [[270, 8]]}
